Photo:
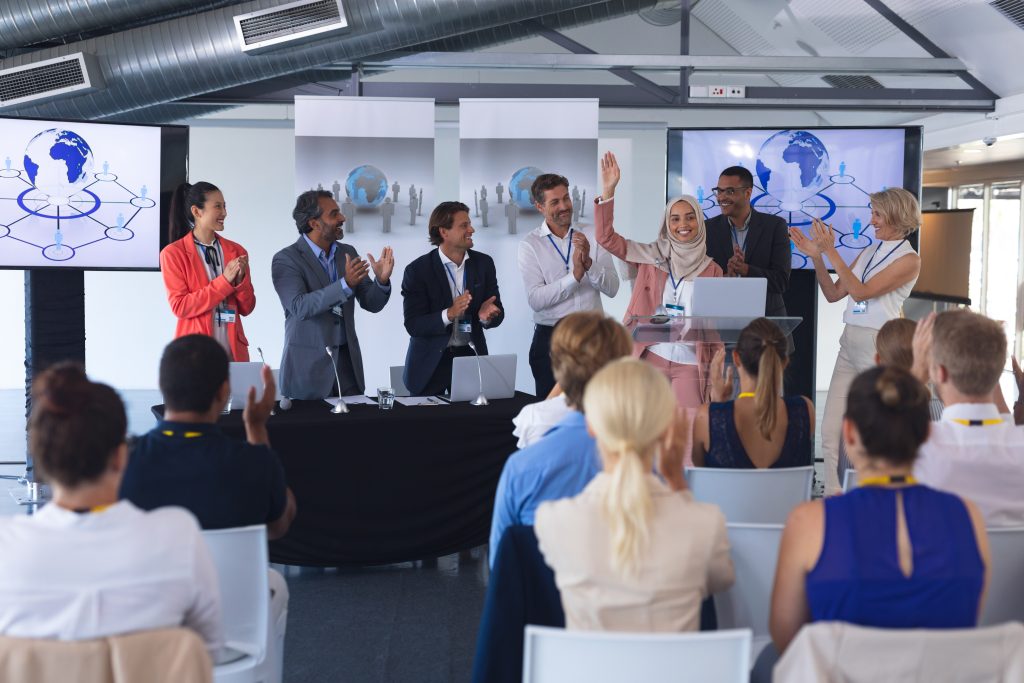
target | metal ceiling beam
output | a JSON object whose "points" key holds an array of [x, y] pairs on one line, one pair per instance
{"points": [[684, 49]]}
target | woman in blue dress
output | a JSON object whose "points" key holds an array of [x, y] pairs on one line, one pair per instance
{"points": [[891, 553], [760, 428]]}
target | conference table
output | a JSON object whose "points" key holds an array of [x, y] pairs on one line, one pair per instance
{"points": [[382, 486]]}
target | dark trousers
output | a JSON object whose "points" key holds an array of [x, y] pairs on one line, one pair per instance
{"points": [[441, 381], [540, 360], [347, 375]]}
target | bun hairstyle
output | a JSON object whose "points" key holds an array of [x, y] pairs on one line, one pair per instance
{"points": [[762, 350], [889, 408], [75, 426], [629, 406], [186, 196]]}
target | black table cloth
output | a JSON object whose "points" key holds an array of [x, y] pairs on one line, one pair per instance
{"points": [[375, 486]]}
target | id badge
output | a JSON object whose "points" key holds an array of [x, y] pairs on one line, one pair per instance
{"points": [[226, 315], [675, 310], [860, 307], [336, 310], [465, 326]]}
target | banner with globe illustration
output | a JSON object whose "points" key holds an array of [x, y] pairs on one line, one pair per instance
{"points": [[79, 195], [825, 173]]}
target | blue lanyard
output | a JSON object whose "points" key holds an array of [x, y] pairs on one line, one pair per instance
{"points": [[454, 283], [675, 283], [568, 253], [868, 269]]}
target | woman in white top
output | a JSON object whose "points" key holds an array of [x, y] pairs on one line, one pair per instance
{"points": [[876, 284], [87, 566], [631, 552]]}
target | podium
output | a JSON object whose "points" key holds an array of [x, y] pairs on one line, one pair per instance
{"points": [[693, 330]]}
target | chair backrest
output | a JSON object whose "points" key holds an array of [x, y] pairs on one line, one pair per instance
{"points": [[850, 480], [555, 655], [752, 496], [1004, 600], [747, 604], [242, 563]]}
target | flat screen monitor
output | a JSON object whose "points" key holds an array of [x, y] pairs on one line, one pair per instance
{"points": [[87, 196], [801, 174]]}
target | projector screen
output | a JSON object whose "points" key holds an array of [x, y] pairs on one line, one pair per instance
{"points": [[801, 174], [86, 195], [945, 256]]}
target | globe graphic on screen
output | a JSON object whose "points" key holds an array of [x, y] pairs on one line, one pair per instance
{"points": [[792, 166], [520, 184], [367, 185], [59, 163]]}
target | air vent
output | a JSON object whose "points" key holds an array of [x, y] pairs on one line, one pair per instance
{"points": [[1011, 9], [72, 74], [852, 81], [290, 24]]}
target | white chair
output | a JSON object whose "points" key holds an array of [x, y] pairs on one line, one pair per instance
{"points": [[554, 655], [752, 496], [755, 550], [1004, 600], [850, 480], [241, 558]]}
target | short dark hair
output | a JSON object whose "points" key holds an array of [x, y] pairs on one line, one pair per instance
{"points": [[307, 208], [75, 427], [739, 172], [443, 216], [545, 182], [192, 369], [889, 408]]}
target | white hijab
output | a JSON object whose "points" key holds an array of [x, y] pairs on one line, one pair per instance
{"points": [[683, 260]]}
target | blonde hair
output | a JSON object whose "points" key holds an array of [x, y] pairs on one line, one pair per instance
{"points": [[972, 348], [583, 343], [899, 208], [895, 343], [629, 406]]}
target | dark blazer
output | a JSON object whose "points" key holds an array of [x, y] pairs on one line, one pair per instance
{"points": [[307, 296], [767, 252], [426, 293]]}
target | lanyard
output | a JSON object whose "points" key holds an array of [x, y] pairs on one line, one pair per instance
{"points": [[568, 253], [884, 481], [868, 268], [747, 394], [187, 435], [978, 423], [454, 283], [210, 254], [675, 282]]}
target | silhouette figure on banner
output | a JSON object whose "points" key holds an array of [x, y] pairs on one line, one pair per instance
{"points": [[387, 210], [419, 203], [483, 211], [348, 209], [512, 213], [336, 189], [395, 188], [498, 191], [413, 205]]}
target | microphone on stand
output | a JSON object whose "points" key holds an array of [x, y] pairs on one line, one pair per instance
{"points": [[260, 351], [340, 406], [480, 400]]}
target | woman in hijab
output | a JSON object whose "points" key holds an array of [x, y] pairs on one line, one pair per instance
{"points": [[664, 271]]}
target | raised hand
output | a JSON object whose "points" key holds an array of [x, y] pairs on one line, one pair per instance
{"points": [[384, 266], [459, 306], [721, 378], [672, 454], [256, 413], [821, 233], [355, 270], [488, 310], [804, 243], [610, 175], [922, 348]]}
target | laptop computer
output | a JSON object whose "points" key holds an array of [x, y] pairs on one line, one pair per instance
{"points": [[729, 297], [499, 377], [398, 381], [245, 375]]}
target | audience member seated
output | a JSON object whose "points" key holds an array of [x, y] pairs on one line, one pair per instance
{"points": [[536, 419], [87, 566], [757, 430], [892, 553], [633, 552], [973, 451], [563, 462]]}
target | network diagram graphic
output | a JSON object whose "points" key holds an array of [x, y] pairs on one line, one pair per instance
{"points": [[793, 179], [57, 203]]}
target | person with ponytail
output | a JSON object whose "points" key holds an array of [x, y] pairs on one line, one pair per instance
{"points": [[634, 551], [761, 428], [664, 271], [891, 553], [86, 565], [206, 275]]}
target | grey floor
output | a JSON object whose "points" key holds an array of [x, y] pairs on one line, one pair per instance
{"points": [[405, 622]]}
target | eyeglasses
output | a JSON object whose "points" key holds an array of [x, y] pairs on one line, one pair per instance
{"points": [[728, 191]]}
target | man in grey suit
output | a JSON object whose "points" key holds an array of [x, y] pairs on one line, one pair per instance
{"points": [[318, 280]]}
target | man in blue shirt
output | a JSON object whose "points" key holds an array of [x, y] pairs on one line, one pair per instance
{"points": [[564, 461]]}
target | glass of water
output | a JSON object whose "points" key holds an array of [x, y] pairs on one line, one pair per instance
{"points": [[385, 398], [227, 407]]}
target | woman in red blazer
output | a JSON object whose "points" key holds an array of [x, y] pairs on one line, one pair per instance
{"points": [[664, 274], [206, 275]]}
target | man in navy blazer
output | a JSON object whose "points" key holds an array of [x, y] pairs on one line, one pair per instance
{"points": [[450, 296]]}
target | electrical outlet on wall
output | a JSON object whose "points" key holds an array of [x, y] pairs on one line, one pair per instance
{"points": [[716, 91], [736, 91]]}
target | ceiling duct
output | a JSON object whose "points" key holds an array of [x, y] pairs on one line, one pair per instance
{"points": [[291, 24], [852, 81], [195, 55], [1011, 9], [50, 78]]}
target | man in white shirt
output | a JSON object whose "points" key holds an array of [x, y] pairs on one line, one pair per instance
{"points": [[973, 451], [559, 271]]}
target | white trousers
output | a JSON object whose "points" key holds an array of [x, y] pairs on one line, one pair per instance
{"points": [[856, 354]]}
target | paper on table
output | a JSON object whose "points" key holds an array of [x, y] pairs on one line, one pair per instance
{"points": [[352, 400], [420, 401]]}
